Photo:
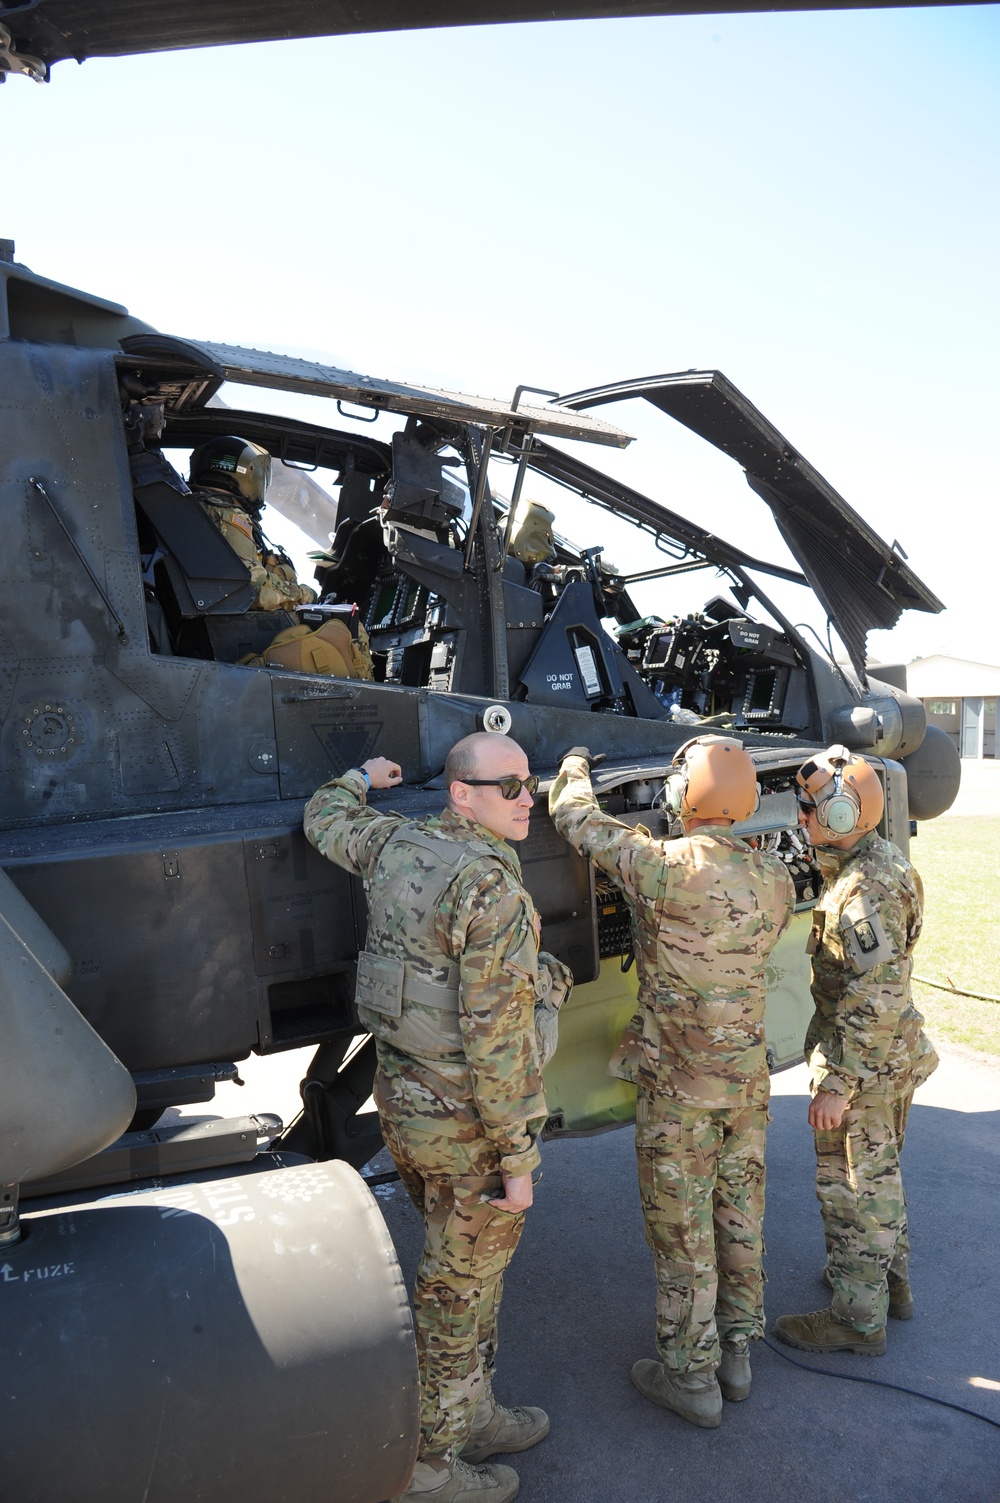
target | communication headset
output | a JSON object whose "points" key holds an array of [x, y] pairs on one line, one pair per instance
{"points": [[674, 788], [676, 784], [838, 808]]}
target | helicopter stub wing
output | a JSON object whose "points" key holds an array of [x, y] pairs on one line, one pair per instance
{"points": [[861, 581], [223, 362]]}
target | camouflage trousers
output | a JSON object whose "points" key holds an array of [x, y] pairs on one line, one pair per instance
{"points": [[456, 1295], [701, 1183], [860, 1193]]}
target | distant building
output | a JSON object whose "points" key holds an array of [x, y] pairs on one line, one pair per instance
{"points": [[961, 697]]}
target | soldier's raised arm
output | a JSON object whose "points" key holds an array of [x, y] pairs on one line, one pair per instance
{"points": [[338, 822], [579, 819]]}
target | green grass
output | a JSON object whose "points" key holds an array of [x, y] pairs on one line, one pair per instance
{"points": [[959, 861]]}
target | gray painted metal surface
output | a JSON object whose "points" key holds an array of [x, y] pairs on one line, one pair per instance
{"points": [[862, 582], [37, 936], [243, 1341], [227, 362], [63, 1094]]}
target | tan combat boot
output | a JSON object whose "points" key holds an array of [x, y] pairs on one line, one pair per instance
{"points": [[900, 1295], [695, 1396], [495, 1429], [733, 1372], [822, 1331], [439, 1481]]}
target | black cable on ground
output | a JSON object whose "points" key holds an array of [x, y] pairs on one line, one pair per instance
{"points": [[827, 1372]]}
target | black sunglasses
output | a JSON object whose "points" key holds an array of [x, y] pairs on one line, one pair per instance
{"points": [[509, 787], [805, 804]]}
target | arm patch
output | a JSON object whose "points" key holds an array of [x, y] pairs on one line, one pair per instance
{"points": [[865, 940]]}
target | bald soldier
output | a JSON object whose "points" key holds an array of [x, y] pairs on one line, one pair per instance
{"points": [[706, 912], [462, 1008]]}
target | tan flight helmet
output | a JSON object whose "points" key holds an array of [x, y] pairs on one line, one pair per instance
{"points": [[846, 790], [236, 465], [714, 779]]}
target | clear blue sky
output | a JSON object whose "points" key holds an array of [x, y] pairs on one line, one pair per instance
{"points": [[806, 202]]}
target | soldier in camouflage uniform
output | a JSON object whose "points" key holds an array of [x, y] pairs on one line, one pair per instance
{"points": [[461, 1005], [706, 912], [867, 1054], [230, 476]]}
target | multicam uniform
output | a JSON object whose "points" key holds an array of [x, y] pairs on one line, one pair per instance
{"points": [[273, 578], [706, 912], [865, 1044], [453, 988]]}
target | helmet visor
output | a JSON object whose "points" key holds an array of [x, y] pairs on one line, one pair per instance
{"points": [[253, 473]]}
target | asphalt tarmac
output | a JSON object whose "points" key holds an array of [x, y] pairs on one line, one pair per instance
{"points": [[578, 1311]]}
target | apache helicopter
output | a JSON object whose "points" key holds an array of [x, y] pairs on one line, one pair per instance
{"points": [[161, 915], [164, 915]]}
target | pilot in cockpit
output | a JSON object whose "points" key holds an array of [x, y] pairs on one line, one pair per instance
{"points": [[230, 476]]}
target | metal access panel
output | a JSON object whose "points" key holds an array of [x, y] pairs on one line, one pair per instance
{"points": [[788, 1006], [306, 934], [581, 1095], [327, 726], [300, 905], [561, 882], [175, 983]]}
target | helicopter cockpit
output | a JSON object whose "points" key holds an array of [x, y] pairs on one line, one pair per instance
{"points": [[456, 588]]}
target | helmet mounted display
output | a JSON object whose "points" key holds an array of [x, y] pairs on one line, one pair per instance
{"points": [[234, 464]]}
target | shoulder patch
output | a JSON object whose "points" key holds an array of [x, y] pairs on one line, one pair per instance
{"points": [[865, 940]]}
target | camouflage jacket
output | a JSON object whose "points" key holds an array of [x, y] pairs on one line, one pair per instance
{"points": [[865, 1037], [706, 912], [487, 1078], [272, 575]]}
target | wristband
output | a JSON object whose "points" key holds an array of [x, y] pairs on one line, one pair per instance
{"points": [[364, 774]]}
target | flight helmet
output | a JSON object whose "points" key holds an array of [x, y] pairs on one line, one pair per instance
{"points": [[236, 465], [714, 778], [845, 790]]}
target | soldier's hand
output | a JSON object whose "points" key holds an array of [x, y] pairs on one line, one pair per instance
{"points": [[382, 773], [517, 1193], [592, 759], [826, 1111]]}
